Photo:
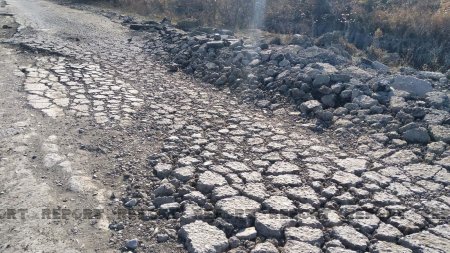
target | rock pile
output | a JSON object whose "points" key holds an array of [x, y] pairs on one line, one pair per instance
{"points": [[323, 83]]}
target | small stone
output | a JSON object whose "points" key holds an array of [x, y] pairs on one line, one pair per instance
{"points": [[310, 106], [215, 44], [208, 180], [193, 212], [252, 177], [349, 209], [329, 100], [238, 210], [383, 213], [237, 167], [365, 102], [436, 147], [116, 226], [158, 201], [280, 168], [200, 237], [339, 250], [184, 174], [265, 247], [307, 220], [417, 135], [353, 165], [224, 226], [300, 247], [234, 242], [188, 160], [387, 232], [345, 199], [165, 189], [330, 191], [169, 208], [346, 179], [132, 244], [162, 238], [147, 215], [279, 204], [304, 194], [410, 223], [305, 234], [52, 159], [222, 192], [385, 199], [351, 238], [321, 79], [255, 191], [364, 221], [196, 197], [270, 225], [234, 179], [377, 178], [131, 203], [334, 244], [382, 247], [425, 242], [163, 170], [332, 218], [401, 157], [247, 234], [441, 230], [286, 180], [440, 133]]}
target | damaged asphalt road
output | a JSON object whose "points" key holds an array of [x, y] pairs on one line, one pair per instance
{"points": [[92, 120]]}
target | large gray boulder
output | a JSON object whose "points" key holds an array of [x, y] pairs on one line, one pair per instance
{"points": [[417, 135], [412, 85]]}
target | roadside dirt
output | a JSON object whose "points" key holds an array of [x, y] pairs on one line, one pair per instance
{"points": [[43, 171]]}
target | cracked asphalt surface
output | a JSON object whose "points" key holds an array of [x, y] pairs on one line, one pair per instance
{"points": [[93, 120]]}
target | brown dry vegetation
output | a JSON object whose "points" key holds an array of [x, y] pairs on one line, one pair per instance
{"points": [[419, 17], [419, 30]]}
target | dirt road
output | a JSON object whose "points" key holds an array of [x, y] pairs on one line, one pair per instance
{"points": [[91, 122]]}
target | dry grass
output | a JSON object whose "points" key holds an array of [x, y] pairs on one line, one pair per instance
{"points": [[418, 20], [408, 17], [411, 22]]}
